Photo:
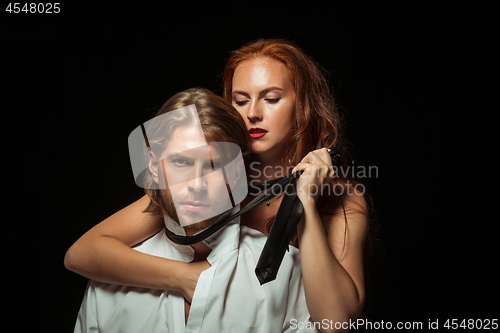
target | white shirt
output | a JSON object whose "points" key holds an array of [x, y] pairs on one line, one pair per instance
{"points": [[227, 298]]}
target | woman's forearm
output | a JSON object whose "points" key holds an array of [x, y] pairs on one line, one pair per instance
{"points": [[330, 291], [106, 259]]}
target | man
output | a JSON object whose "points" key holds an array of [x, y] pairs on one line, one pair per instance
{"points": [[192, 175]]}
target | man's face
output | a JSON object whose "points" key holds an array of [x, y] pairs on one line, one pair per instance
{"points": [[195, 182]]}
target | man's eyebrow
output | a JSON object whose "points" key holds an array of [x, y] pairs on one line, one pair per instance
{"points": [[180, 155], [176, 155]]}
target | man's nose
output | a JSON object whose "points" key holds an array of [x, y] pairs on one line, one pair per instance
{"points": [[198, 182]]}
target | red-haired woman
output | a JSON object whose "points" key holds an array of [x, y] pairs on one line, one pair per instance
{"points": [[292, 119]]}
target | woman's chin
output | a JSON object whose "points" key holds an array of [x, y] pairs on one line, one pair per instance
{"points": [[259, 148], [267, 151]]}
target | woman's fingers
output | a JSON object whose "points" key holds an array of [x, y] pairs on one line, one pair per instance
{"points": [[321, 171], [319, 156]]}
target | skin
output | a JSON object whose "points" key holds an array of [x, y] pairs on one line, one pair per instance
{"points": [[331, 264]]}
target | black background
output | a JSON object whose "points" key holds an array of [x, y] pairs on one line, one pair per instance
{"points": [[80, 81]]}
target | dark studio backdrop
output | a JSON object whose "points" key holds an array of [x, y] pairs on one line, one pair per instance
{"points": [[98, 74]]}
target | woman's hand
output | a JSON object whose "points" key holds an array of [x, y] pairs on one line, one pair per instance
{"points": [[188, 278], [318, 170]]}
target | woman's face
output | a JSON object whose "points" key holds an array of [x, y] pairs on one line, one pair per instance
{"points": [[264, 96]]}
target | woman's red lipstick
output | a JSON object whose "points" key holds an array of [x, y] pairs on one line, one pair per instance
{"points": [[256, 132]]}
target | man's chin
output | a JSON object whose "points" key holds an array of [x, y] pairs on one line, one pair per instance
{"points": [[197, 226]]}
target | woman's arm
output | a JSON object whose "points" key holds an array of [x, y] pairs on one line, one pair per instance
{"points": [[104, 254], [332, 273], [331, 250]]}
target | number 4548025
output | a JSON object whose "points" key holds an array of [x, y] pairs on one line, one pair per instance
{"points": [[41, 8], [484, 324]]}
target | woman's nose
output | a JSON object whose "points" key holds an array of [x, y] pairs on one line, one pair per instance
{"points": [[254, 113]]}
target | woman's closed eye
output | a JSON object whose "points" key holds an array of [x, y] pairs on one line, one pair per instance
{"points": [[268, 100], [273, 100], [240, 103]]}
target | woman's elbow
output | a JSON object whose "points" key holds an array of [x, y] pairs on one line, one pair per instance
{"points": [[344, 316], [69, 259], [79, 255], [73, 259]]}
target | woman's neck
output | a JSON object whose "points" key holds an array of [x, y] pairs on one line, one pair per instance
{"points": [[264, 167]]}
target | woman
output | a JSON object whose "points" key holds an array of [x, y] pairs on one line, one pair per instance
{"points": [[292, 120]]}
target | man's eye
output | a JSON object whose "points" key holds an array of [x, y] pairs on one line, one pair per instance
{"points": [[216, 165], [179, 162]]}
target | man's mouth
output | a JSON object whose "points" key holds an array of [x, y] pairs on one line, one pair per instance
{"points": [[256, 132], [195, 206]]}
